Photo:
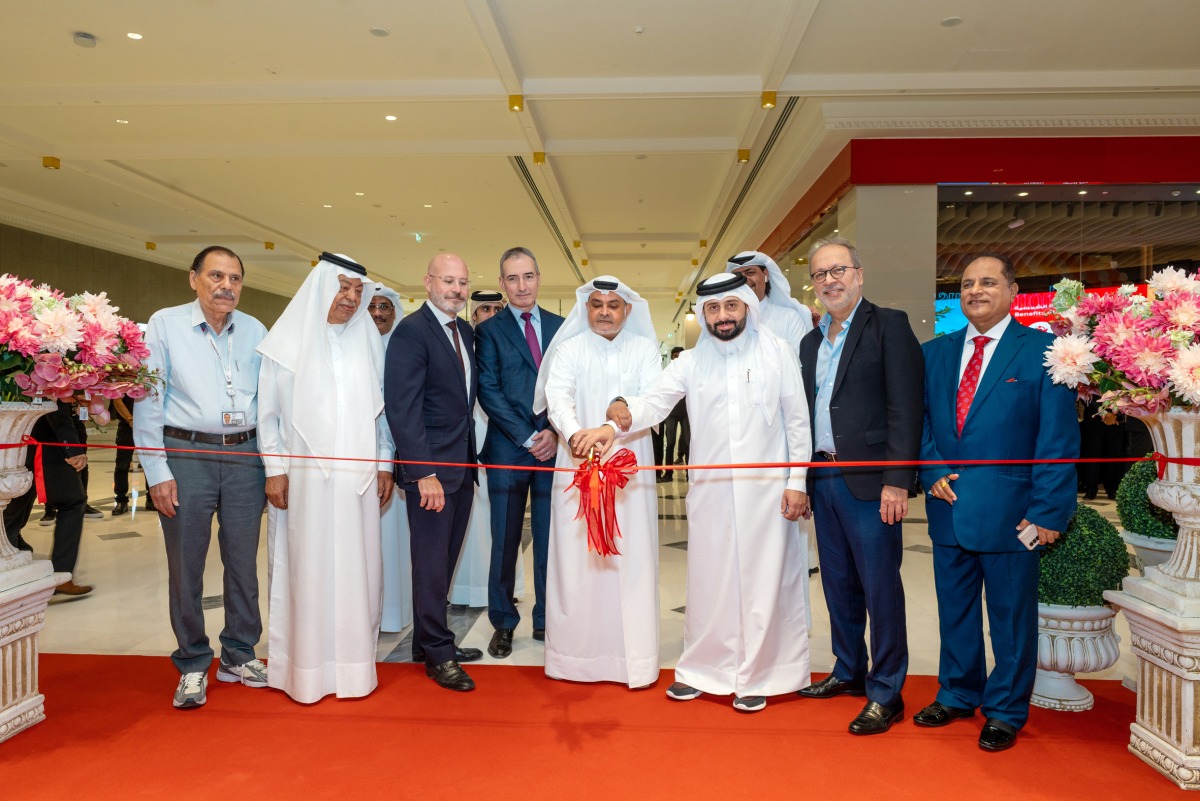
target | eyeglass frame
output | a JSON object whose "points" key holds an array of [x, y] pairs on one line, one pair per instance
{"points": [[378, 307], [820, 276]]}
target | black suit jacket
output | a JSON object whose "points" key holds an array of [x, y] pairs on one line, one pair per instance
{"points": [[58, 426], [878, 403], [427, 403]]}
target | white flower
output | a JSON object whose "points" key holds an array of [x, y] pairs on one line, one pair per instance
{"points": [[1169, 279], [1141, 305], [1079, 323], [1185, 374], [1128, 290], [59, 327], [1070, 359], [1181, 338]]}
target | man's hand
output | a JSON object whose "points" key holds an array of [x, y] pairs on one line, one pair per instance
{"points": [[618, 412], [165, 495], [433, 497], [893, 504], [941, 489], [1045, 535], [78, 462], [387, 483], [585, 438], [794, 504], [545, 444], [277, 491]]}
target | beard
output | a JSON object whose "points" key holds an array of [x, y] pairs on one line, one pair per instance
{"points": [[738, 327]]}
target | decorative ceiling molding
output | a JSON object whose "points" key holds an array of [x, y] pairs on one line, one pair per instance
{"points": [[1190, 121]]}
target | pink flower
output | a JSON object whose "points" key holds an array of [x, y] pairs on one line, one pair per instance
{"points": [[135, 344], [1094, 305], [61, 329], [97, 345], [1178, 311], [1144, 359], [1114, 328]]}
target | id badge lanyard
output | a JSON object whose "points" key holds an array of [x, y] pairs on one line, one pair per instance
{"points": [[226, 366]]}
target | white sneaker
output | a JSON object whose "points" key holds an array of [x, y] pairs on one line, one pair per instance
{"points": [[682, 692], [192, 691], [252, 673], [750, 703]]}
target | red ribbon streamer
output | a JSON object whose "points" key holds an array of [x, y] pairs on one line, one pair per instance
{"points": [[597, 484], [39, 475]]}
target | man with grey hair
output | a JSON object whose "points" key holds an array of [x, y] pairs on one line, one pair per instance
{"points": [[863, 378]]}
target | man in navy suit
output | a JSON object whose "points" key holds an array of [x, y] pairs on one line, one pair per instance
{"points": [[863, 376], [988, 396], [509, 348], [429, 388]]}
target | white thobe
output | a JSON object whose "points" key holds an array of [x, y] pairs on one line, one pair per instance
{"points": [[602, 611], [325, 588], [395, 547], [745, 626], [785, 322]]}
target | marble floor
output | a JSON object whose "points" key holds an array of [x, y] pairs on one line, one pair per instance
{"points": [[127, 613]]}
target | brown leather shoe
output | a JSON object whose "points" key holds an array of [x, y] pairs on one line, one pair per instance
{"points": [[71, 588]]}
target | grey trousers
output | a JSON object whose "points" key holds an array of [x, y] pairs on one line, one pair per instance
{"points": [[233, 488]]}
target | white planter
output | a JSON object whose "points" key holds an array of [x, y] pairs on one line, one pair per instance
{"points": [[1072, 639], [1150, 551]]}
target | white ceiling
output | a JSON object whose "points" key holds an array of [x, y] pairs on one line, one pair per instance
{"points": [[245, 120]]}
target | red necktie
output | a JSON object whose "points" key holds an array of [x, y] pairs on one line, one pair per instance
{"points": [[532, 340], [970, 380]]}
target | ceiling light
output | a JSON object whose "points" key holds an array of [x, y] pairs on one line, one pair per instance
{"points": [[806, 287], [835, 230], [539, 157], [583, 262], [968, 192], [418, 237], [695, 262], [268, 245], [134, 35], [1083, 191], [51, 162], [328, 206], [950, 22], [768, 100], [1022, 194], [123, 122], [390, 118], [429, 205], [358, 194], [743, 156], [151, 246], [516, 102], [84, 39], [378, 31], [691, 312], [703, 243], [575, 243]]}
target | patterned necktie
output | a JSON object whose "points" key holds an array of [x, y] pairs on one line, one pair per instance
{"points": [[970, 380], [532, 340], [457, 348]]}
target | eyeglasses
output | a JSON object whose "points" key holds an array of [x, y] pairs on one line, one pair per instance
{"points": [[833, 272], [379, 307]]}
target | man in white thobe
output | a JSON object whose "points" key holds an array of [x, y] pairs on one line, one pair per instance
{"points": [[320, 395], [745, 629], [601, 611], [385, 311], [778, 311]]}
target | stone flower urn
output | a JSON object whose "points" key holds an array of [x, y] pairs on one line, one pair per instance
{"points": [[26, 585], [1072, 639]]}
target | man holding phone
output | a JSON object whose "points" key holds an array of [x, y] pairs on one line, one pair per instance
{"points": [[988, 396]]}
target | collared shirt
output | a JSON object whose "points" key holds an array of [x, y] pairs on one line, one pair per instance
{"points": [[995, 332], [443, 319], [829, 355], [535, 318], [193, 368]]}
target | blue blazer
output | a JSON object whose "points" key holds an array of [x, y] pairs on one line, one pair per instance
{"points": [[1017, 413], [427, 403], [507, 377]]}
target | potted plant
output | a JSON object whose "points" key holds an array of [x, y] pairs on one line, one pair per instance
{"points": [[1148, 529], [1075, 625]]}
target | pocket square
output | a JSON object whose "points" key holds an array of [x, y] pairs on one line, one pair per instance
{"points": [[1010, 381]]}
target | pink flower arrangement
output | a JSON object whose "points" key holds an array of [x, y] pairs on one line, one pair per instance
{"points": [[56, 347], [1138, 355]]}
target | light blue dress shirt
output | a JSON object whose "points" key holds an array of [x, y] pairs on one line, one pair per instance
{"points": [[829, 355], [193, 394], [535, 318]]}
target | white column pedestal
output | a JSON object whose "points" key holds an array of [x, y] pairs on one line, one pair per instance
{"points": [[22, 616]]}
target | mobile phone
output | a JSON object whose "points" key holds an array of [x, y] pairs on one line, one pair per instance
{"points": [[1029, 536]]}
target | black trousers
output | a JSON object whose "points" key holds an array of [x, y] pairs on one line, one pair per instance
{"points": [[124, 460], [436, 541], [64, 489]]}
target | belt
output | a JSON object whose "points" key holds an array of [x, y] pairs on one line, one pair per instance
{"points": [[826, 456], [209, 439]]}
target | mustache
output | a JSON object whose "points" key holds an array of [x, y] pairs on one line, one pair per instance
{"points": [[223, 294]]}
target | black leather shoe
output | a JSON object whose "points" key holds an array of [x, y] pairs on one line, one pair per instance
{"points": [[830, 686], [539, 635], [995, 738], [936, 715], [120, 508], [467, 654], [501, 644], [450, 676], [876, 718]]}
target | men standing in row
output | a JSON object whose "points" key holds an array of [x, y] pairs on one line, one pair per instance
{"points": [[430, 384], [988, 396], [205, 353], [510, 348], [321, 395], [601, 611], [779, 312], [745, 634], [384, 308], [863, 380]]}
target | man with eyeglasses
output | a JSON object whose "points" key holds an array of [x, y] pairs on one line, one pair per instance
{"points": [[779, 312], [864, 381]]}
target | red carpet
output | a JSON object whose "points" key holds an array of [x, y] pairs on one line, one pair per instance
{"points": [[111, 733]]}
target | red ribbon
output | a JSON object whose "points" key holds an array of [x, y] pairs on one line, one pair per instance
{"points": [[39, 475], [597, 484]]}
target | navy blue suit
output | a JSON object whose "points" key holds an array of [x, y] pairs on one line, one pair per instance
{"points": [[1017, 413], [875, 415], [428, 408], [507, 376]]}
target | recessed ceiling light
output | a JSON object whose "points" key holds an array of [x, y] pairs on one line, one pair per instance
{"points": [[123, 122], [968, 192], [1083, 191], [429, 205], [378, 31], [835, 230], [134, 35], [390, 118], [84, 39], [328, 206], [358, 194], [950, 22], [1022, 194]]}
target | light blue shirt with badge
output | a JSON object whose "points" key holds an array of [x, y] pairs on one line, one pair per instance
{"points": [[829, 355], [210, 380]]}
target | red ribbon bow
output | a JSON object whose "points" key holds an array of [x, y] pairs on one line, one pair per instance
{"points": [[597, 484]]}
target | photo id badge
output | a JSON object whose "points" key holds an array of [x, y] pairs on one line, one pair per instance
{"points": [[233, 419]]}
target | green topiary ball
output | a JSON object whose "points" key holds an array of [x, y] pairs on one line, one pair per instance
{"points": [[1087, 560], [1137, 514]]}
